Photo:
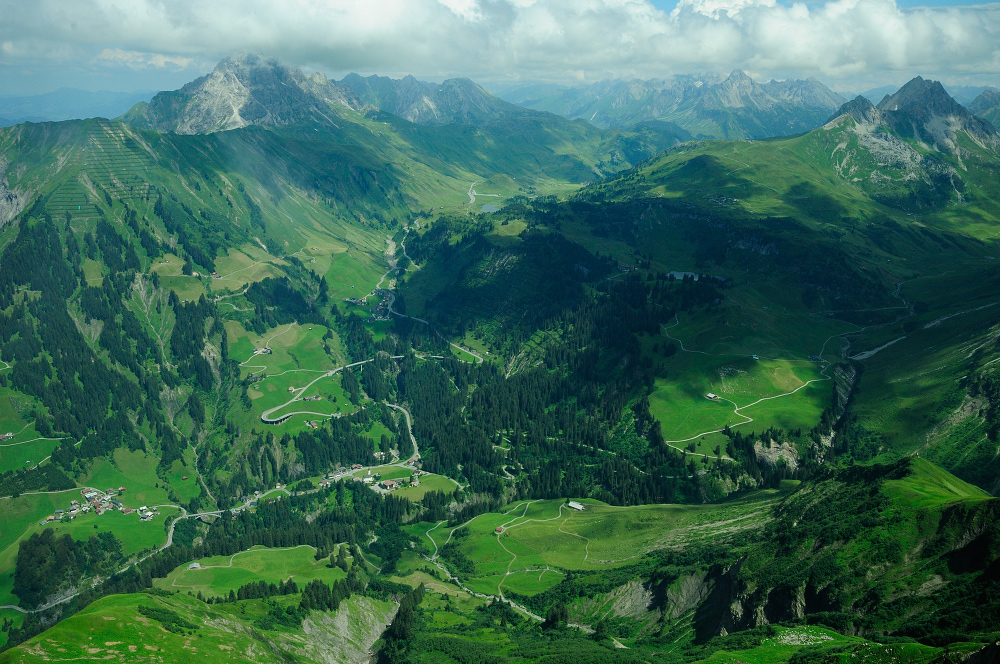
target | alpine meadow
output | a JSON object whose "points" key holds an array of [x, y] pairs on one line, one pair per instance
{"points": [[625, 364]]}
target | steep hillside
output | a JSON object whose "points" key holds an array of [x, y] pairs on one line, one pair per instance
{"points": [[734, 107], [987, 106]]}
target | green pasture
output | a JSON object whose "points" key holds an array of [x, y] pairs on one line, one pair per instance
{"points": [[237, 268], [300, 354], [427, 483], [353, 273], [16, 619], [826, 645], [776, 388], [914, 384], [188, 289], [220, 574], [28, 453], [548, 535], [186, 489], [92, 272], [388, 472], [928, 486], [112, 628], [136, 471]]}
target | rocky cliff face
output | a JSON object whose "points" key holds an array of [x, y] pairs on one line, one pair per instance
{"points": [[455, 101], [923, 110], [243, 90], [862, 110], [12, 202]]}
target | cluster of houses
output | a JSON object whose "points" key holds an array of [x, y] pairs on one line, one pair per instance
{"points": [[266, 350], [6, 436], [381, 310], [98, 502]]}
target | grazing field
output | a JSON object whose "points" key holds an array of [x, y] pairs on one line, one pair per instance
{"points": [[136, 471], [541, 539], [299, 355], [821, 644], [388, 472], [773, 392], [183, 629], [27, 447], [427, 483], [237, 269], [220, 574]]}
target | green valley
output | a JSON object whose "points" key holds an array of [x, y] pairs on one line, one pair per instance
{"points": [[359, 377]]}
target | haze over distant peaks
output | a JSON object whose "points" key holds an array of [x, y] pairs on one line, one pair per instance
{"points": [[987, 106], [455, 101], [713, 107]]}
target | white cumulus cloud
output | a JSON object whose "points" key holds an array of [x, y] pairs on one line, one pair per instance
{"points": [[560, 40]]}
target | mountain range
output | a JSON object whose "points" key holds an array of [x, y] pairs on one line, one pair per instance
{"points": [[410, 372], [924, 111], [706, 106]]}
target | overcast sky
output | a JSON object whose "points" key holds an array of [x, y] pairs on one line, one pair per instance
{"points": [[161, 44]]}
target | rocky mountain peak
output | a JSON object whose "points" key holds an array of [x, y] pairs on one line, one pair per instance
{"points": [[243, 89], [861, 109], [923, 109]]}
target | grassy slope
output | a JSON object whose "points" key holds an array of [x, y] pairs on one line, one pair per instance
{"points": [[112, 628], [220, 574]]}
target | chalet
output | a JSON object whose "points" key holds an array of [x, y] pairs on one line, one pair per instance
{"points": [[712, 397], [194, 566], [389, 484], [498, 529], [7, 436], [368, 479], [356, 466], [59, 513], [291, 388], [575, 505]]}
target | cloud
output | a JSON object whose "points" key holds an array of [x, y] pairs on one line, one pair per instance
{"points": [[526, 39], [138, 60]]}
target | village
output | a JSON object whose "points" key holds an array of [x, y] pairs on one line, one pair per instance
{"points": [[374, 479], [98, 502]]}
